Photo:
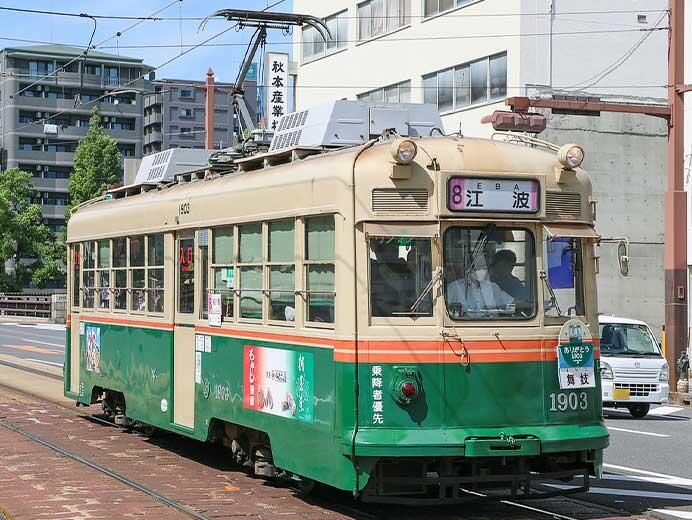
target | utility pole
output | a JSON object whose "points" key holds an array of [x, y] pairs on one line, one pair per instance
{"points": [[675, 202]]}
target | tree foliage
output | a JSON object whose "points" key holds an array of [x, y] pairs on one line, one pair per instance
{"points": [[24, 238], [98, 163]]}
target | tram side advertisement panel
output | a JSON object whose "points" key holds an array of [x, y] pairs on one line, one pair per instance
{"points": [[279, 382]]}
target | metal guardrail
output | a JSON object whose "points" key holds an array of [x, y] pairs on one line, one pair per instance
{"points": [[31, 305]]}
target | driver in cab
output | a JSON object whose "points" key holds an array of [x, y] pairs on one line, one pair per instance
{"points": [[476, 293]]}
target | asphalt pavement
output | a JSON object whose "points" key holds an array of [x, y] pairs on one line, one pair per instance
{"points": [[648, 466]]}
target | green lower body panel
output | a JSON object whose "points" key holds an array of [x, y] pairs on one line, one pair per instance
{"points": [[303, 403]]}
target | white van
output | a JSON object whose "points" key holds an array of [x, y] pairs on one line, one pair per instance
{"points": [[634, 373]]}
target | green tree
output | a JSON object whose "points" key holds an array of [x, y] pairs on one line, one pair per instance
{"points": [[97, 164], [25, 240]]}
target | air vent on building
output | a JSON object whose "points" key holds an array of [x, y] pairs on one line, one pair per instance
{"points": [[398, 201], [563, 205]]}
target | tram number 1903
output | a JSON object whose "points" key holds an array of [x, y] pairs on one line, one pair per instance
{"points": [[573, 401]]}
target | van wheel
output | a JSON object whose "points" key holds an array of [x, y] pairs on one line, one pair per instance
{"points": [[639, 410]]}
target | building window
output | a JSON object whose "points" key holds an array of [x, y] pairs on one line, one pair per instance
{"points": [[186, 112], [319, 269], [377, 17], [468, 84], [397, 93], [185, 93], [40, 68], [185, 131], [94, 70], [112, 76], [313, 44], [433, 7]]}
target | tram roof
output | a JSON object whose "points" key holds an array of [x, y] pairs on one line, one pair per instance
{"points": [[314, 184]]}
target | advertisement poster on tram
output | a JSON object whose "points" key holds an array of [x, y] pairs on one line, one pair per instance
{"points": [[575, 356], [278, 382]]}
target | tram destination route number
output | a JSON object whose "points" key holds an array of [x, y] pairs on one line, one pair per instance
{"points": [[477, 194]]}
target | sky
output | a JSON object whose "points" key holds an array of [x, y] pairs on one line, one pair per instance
{"points": [[225, 60]]}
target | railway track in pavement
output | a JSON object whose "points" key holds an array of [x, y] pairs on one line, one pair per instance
{"points": [[188, 479]]}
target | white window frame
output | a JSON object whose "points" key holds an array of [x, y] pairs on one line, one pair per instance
{"points": [[341, 40]]}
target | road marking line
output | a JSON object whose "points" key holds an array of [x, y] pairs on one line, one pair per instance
{"points": [[43, 342], [685, 497], [31, 348], [637, 431], [687, 515], [640, 471], [654, 480], [45, 362], [665, 410]]}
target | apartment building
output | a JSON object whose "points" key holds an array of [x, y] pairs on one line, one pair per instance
{"points": [[45, 106], [174, 114], [468, 56]]}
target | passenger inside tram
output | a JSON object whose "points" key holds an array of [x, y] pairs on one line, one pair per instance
{"points": [[501, 273]]}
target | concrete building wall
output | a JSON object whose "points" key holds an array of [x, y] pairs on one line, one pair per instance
{"points": [[626, 157]]}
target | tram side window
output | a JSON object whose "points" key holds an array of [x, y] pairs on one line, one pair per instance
{"points": [[186, 275], [250, 260], [400, 272], [136, 271], [319, 269], [155, 273], [282, 271], [76, 274], [203, 245], [88, 274], [223, 272], [120, 273]]}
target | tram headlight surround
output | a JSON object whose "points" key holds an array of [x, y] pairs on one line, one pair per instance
{"points": [[571, 156], [403, 151]]}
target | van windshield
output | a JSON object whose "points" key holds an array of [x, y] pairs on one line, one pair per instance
{"points": [[621, 339]]}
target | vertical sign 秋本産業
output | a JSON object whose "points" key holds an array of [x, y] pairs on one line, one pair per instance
{"points": [[276, 87]]}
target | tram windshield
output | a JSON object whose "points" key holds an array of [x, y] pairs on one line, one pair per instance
{"points": [[563, 283], [489, 273]]}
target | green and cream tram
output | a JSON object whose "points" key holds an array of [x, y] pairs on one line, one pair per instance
{"points": [[408, 319]]}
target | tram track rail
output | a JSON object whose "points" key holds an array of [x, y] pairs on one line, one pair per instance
{"points": [[356, 510]]}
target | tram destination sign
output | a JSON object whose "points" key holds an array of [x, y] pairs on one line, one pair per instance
{"points": [[479, 194]]}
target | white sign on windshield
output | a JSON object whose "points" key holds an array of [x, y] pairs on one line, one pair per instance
{"points": [[481, 194]]}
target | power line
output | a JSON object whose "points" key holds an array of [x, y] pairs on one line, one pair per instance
{"points": [[116, 35], [95, 100], [423, 16]]}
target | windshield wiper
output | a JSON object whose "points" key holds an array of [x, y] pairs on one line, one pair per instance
{"points": [[551, 291], [421, 297]]}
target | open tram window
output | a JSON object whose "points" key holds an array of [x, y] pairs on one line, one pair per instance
{"points": [[203, 251], [186, 275], [120, 273], [104, 264], [563, 287], [400, 273], [88, 274], [137, 287], [250, 260], [319, 269], [489, 273], [223, 271], [282, 271], [155, 273]]}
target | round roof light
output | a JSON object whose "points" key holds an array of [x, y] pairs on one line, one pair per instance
{"points": [[570, 156], [403, 151]]}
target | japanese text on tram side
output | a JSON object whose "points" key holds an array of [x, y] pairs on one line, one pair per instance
{"points": [[377, 403]]}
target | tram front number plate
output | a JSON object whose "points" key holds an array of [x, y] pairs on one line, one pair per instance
{"points": [[483, 194]]}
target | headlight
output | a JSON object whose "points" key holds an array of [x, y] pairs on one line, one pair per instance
{"points": [[570, 156], [663, 376], [403, 151], [606, 371]]}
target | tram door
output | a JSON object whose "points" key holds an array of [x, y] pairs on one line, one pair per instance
{"points": [[184, 332]]}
